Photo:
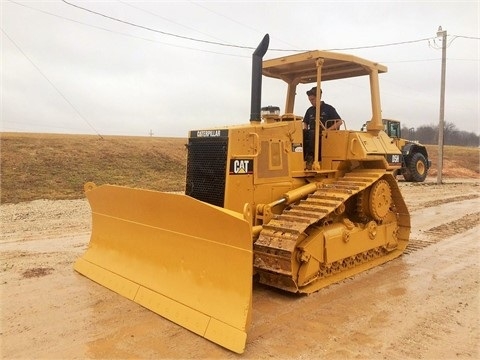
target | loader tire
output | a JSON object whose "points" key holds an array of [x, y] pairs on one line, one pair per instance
{"points": [[416, 168]]}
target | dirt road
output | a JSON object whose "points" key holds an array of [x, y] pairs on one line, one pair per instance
{"points": [[424, 304]]}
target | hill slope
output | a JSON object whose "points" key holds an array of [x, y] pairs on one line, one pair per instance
{"points": [[48, 166]]}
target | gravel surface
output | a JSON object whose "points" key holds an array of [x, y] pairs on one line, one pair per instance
{"points": [[424, 305]]}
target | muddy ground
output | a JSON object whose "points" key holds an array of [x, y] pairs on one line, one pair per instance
{"points": [[423, 305]]}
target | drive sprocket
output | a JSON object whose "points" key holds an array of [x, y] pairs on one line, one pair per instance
{"points": [[380, 200]]}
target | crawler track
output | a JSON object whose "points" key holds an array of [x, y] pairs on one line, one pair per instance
{"points": [[276, 250]]}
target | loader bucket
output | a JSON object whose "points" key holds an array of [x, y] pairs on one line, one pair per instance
{"points": [[186, 260]]}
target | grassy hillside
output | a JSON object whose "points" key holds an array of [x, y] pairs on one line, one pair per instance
{"points": [[458, 161], [47, 166]]}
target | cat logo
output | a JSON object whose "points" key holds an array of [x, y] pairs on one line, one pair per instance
{"points": [[241, 166]]}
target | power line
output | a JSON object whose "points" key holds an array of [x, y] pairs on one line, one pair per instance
{"points": [[164, 18], [232, 20], [51, 83], [233, 45], [125, 34], [158, 31], [380, 45], [211, 42], [423, 60], [215, 43], [466, 37]]}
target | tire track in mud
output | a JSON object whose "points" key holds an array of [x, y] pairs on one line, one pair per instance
{"points": [[438, 233], [448, 200]]}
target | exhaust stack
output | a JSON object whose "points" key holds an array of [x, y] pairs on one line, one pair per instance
{"points": [[256, 99]]}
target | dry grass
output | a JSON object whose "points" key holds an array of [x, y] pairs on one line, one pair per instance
{"points": [[458, 161], [47, 166]]}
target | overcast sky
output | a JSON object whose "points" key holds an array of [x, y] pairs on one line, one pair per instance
{"points": [[187, 64]]}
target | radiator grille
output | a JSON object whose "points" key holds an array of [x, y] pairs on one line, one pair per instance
{"points": [[206, 169]]}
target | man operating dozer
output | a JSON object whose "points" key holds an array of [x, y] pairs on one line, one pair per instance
{"points": [[328, 117]]}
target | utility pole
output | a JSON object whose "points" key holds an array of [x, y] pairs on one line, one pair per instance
{"points": [[441, 125]]}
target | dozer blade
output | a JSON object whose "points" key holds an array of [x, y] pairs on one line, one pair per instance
{"points": [[186, 260]]}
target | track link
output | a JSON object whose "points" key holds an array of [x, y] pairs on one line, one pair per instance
{"points": [[275, 249]]}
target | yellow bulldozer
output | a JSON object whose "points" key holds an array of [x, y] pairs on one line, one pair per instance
{"points": [[254, 211]]}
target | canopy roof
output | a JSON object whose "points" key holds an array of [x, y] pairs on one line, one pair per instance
{"points": [[303, 67]]}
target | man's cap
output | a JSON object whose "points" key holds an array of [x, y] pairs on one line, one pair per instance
{"points": [[313, 91]]}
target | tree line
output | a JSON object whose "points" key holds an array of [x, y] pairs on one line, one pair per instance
{"points": [[428, 134]]}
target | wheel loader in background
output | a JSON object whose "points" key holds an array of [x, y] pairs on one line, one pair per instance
{"points": [[252, 207], [415, 156]]}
